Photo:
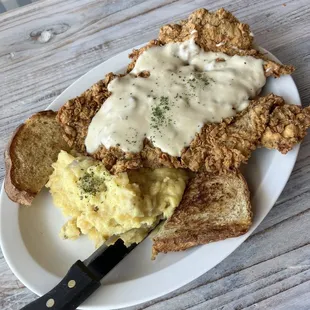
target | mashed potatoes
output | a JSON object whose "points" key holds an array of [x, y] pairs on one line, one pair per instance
{"points": [[101, 205]]}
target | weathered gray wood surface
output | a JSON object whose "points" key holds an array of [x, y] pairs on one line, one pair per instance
{"points": [[271, 270]]}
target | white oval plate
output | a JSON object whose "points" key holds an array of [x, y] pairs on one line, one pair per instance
{"points": [[39, 258]]}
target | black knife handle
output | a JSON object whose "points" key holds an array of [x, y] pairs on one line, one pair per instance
{"points": [[77, 285]]}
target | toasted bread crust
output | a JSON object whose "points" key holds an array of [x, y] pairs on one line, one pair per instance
{"points": [[189, 239], [198, 196], [11, 188], [187, 227], [14, 189]]}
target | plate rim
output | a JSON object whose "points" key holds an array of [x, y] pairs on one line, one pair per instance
{"points": [[193, 274]]}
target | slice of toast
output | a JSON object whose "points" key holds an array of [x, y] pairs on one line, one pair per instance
{"points": [[29, 156], [214, 207]]}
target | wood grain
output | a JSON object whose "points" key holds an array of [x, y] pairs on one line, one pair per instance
{"points": [[271, 270]]}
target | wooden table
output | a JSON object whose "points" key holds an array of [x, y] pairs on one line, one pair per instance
{"points": [[271, 270]]}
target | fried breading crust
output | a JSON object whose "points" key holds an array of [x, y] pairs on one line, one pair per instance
{"points": [[216, 32], [226, 145], [267, 122], [76, 115], [287, 127], [218, 146]]}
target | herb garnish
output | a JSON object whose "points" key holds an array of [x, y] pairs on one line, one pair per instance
{"points": [[159, 113], [91, 184]]}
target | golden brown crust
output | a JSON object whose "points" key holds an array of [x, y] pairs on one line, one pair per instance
{"points": [[226, 145], [217, 147], [23, 159], [76, 114], [287, 127], [212, 29], [216, 32]]}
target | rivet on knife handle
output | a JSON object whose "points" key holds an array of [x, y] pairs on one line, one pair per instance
{"points": [[83, 278], [78, 284]]}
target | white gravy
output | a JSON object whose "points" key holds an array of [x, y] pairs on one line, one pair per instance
{"points": [[187, 88]]}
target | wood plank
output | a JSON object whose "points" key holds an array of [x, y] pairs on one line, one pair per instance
{"points": [[258, 270], [271, 270]]}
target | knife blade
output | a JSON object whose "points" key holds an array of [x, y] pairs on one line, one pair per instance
{"points": [[83, 278], [105, 258]]}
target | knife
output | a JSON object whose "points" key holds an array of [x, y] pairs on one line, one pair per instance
{"points": [[82, 279]]}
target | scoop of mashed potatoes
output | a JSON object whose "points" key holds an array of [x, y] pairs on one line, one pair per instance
{"points": [[101, 205]]}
